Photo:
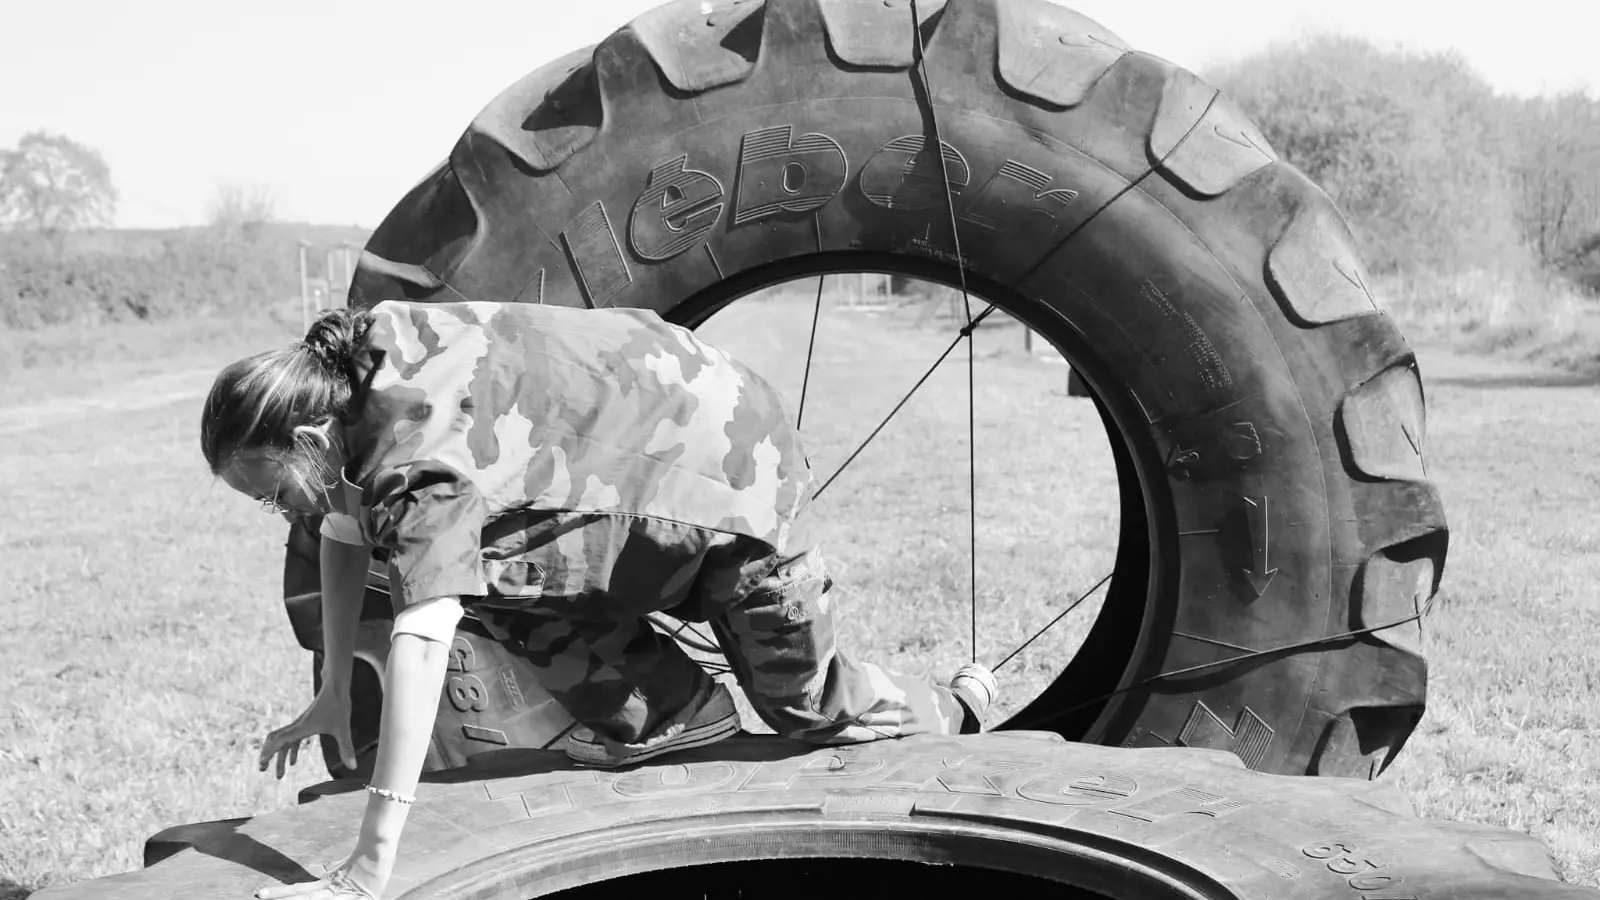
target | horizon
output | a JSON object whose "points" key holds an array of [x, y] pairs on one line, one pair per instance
{"points": [[183, 97]]}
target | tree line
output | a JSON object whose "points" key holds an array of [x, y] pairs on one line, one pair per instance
{"points": [[60, 264], [1435, 170]]}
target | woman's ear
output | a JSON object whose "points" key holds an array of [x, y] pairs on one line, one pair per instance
{"points": [[319, 435]]}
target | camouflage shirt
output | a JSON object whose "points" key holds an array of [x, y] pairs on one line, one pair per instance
{"points": [[482, 411]]}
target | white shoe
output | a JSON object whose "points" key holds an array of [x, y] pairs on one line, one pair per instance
{"points": [[975, 687], [714, 720]]}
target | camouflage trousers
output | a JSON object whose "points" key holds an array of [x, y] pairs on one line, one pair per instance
{"points": [[583, 627]]}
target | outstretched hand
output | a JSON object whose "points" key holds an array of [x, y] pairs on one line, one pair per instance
{"points": [[328, 714]]}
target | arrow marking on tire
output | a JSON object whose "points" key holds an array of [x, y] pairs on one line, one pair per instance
{"points": [[1260, 573]]}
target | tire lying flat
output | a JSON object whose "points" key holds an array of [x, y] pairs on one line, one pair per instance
{"points": [[1147, 823], [1266, 419]]}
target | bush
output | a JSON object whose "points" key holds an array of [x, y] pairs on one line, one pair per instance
{"points": [[101, 277], [1412, 147]]}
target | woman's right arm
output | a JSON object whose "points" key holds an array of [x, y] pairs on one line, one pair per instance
{"points": [[344, 588]]}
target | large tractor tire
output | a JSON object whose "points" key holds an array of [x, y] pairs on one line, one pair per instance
{"points": [[1266, 418], [1018, 814]]}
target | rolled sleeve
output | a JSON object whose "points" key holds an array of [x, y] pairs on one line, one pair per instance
{"points": [[342, 528], [430, 518], [433, 620]]}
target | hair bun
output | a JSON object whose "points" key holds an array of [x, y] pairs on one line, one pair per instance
{"points": [[333, 339]]}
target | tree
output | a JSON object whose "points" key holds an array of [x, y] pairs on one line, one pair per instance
{"points": [[242, 208], [1410, 146], [1557, 169], [51, 184]]}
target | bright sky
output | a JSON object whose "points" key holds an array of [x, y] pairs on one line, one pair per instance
{"points": [[340, 105]]}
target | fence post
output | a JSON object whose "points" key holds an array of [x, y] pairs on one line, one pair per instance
{"points": [[305, 294], [350, 256]]}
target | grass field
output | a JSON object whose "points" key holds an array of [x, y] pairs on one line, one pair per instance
{"points": [[148, 652]]}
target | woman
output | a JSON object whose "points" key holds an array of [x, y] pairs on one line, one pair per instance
{"points": [[564, 473]]}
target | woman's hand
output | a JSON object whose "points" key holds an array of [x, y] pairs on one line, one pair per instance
{"points": [[328, 714], [361, 877]]}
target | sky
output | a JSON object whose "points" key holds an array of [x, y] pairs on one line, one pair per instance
{"points": [[337, 107]]}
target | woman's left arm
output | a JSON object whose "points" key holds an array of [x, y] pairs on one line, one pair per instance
{"points": [[418, 658]]}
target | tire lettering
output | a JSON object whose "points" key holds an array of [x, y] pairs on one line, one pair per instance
{"points": [[533, 291], [1242, 440], [779, 173], [467, 693], [903, 175], [1360, 866], [596, 257], [958, 776], [780, 774], [462, 656], [1325, 851], [543, 793], [673, 781], [1187, 801], [1018, 200], [1110, 792], [486, 735], [1249, 738], [508, 683], [1209, 368], [1079, 789], [678, 206]]}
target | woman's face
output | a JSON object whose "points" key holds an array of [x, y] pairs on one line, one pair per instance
{"points": [[260, 477]]}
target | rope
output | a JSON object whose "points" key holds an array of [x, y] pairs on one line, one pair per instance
{"points": [[1243, 657], [805, 382], [966, 301]]}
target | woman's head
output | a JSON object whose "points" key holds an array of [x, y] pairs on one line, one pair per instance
{"points": [[270, 426]]}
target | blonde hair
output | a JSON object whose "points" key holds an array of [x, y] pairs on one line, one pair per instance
{"points": [[256, 404]]}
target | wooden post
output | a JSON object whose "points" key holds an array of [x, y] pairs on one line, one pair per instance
{"points": [[331, 282], [305, 294], [350, 256]]}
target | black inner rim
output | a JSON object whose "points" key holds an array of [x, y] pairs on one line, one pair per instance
{"points": [[804, 877], [1085, 868]]}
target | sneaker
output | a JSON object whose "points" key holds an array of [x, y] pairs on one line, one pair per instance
{"points": [[716, 719], [974, 686]]}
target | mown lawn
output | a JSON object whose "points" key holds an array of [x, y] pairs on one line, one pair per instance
{"points": [[148, 653]]}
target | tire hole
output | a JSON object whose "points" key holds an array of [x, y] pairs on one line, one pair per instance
{"points": [[804, 877]]}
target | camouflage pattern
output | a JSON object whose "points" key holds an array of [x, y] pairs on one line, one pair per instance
{"points": [[568, 471], [616, 674], [480, 409], [779, 639]]}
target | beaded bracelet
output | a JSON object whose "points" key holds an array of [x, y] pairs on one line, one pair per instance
{"points": [[390, 795]]}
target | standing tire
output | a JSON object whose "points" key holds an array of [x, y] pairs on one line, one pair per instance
{"points": [[1266, 419], [1018, 814]]}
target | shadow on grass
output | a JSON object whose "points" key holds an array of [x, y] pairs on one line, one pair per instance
{"points": [[10, 890]]}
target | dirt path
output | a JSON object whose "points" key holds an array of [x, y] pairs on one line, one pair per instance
{"points": [[149, 392]]}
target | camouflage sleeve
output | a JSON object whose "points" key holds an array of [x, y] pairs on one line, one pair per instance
{"points": [[430, 518]]}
